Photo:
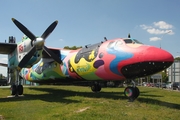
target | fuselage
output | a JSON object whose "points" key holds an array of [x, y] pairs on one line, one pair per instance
{"points": [[117, 59]]}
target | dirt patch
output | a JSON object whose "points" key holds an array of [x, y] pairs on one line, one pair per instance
{"points": [[83, 109], [1, 117]]}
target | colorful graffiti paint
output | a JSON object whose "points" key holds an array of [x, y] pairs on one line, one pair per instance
{"points": [[102, 61]]}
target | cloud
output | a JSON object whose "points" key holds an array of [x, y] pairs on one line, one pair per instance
{"points": [[163, 25], [154, 38], [159, 31], [158, 28], [145, 27], [61, 40]]}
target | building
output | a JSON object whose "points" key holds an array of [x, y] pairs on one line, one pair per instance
{"points": [[174, 72]]}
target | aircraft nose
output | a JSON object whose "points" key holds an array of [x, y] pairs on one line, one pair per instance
{"points": [[148, 62], [157, 54]]}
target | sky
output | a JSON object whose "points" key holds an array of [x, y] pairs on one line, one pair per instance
{"points": [[83, 22]]}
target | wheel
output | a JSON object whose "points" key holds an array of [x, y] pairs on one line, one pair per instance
{"points": [[132, 93], [96, 88], [93, 88], [136, 92], [129, 92], [13, 90], [20, 89]]}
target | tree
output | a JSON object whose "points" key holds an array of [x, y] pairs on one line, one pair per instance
{"points": [[164, 76], [177, 58], [72, 48]]}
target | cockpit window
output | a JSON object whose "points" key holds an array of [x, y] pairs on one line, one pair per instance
{"points": [[127, 41], [136, 41], [132, 41]]}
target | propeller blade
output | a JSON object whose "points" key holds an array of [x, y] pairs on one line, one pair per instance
{"points": [[24, 29], [27, 57], [48, 31], [52, 55]]}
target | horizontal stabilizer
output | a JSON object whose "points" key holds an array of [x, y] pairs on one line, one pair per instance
{"points": [[7, 48], [3, 64]]}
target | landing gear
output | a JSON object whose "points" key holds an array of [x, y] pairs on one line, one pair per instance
{"points": [[131, 92], [96, 87], [16, 90], [16, 87], [13, 90]]}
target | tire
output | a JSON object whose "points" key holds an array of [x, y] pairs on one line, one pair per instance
{"points": [[13, 90], [96, 88], [20, 89], [129, 92], [93, 88], [136, 92]]}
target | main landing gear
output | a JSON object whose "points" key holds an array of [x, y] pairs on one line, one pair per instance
{"points": [[96, 87], [16, 87], [131, 92], [16, 90]]}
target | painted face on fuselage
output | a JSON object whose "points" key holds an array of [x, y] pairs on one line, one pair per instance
{"points": [[133, 59]]}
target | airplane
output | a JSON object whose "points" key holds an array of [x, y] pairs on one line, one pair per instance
{"points": [[109, 60]]}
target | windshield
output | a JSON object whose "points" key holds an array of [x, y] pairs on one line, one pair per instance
{"points": [[132, 41], [136, 41]]}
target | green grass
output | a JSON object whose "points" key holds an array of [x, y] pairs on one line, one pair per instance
{"points": [[79, 103]]}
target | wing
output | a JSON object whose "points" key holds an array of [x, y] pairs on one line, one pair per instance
{"points": [[7, 48]]}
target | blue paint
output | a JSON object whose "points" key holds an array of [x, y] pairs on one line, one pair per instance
{"points": [[120, 55]]}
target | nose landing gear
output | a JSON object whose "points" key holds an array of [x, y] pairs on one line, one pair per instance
{"points": [[131, 92]]}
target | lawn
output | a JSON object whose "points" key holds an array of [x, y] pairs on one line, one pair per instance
{"points": [[79, 103]]}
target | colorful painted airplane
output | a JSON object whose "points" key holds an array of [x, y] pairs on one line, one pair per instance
{"points": [[109, 60]]}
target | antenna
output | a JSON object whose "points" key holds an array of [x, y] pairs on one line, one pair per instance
{"points": [[129, 36], [105, 38]]}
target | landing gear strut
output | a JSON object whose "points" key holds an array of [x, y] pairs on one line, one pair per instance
{"points": [[131, 92], [96, 87], [16, 88]]}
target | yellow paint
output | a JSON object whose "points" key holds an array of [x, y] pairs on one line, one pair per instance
{"points": [[83, 67], [41, 64], [91, 56]]}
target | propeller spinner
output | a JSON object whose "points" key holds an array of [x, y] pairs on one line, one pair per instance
{"points": [[36, 42]]}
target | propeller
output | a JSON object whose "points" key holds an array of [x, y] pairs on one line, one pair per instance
{"points": [[52, 55], [36, 42], [26, 58], [24, 29]]}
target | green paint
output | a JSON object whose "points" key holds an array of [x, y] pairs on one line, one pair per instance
{"points": [[83, 68]]}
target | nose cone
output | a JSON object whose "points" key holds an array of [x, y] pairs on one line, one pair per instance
{"points": [[157, 54], [147, 62]]}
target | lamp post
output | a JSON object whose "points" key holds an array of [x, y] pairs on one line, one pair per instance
{"points": [[163, 36]]}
